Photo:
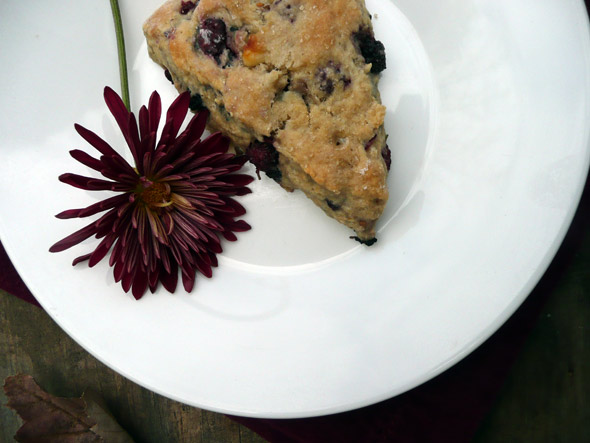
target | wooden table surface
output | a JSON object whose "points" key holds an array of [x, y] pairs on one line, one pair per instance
{"points": [[31, 343]]}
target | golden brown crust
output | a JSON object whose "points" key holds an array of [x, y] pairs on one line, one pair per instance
{"points": [[292, 74]]}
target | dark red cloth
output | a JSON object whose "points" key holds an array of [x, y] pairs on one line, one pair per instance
{"points": [[11, 282]]}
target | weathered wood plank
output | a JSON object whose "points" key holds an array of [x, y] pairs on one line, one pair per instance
{"points": [[546, 397], [31, 343]]}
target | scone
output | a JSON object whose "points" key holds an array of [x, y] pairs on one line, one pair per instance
{"points": [[293, 84]]}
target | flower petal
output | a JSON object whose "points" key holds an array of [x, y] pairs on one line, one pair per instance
{"points": [[240, 226], [157, 228], [174, 118], [118, 169], [86, 159], [188, 279], [125, 120], [229, 236], [134, 141], [127, 281], [155, 111], [94, 140], [214, 143], [170, 279], [80, 259], [88, 183], [75, 238], [197, 125], [119, 271], [144, 122], [237, 179], [103, 205], [117, 108], [102, 250], [153, 279], [140, 284]]}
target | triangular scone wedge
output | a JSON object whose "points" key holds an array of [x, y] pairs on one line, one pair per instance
{"points": [[293, 83]]}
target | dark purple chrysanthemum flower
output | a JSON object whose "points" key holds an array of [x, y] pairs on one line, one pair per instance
{"points": [[171, 208]]}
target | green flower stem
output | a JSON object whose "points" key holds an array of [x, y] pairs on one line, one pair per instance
{"points": [[122, 54]]}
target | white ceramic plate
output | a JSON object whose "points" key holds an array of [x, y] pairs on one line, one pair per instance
{"points": [[488, 116]]}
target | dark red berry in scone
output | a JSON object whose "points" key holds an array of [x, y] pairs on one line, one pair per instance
{"points": [[333, 206], [369, 242], [265, 157], [372, 50], [170, 33], [212, 36], [186, 7], [196, 103], [327, 79], [386, 154], [370, 143], [168, 76], [326, 83]]}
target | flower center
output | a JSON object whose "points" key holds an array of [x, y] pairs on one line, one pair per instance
{"points": [[155, 195]]}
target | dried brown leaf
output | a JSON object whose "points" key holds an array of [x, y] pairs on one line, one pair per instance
{"points": [[48, 418], [106, 425]]}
